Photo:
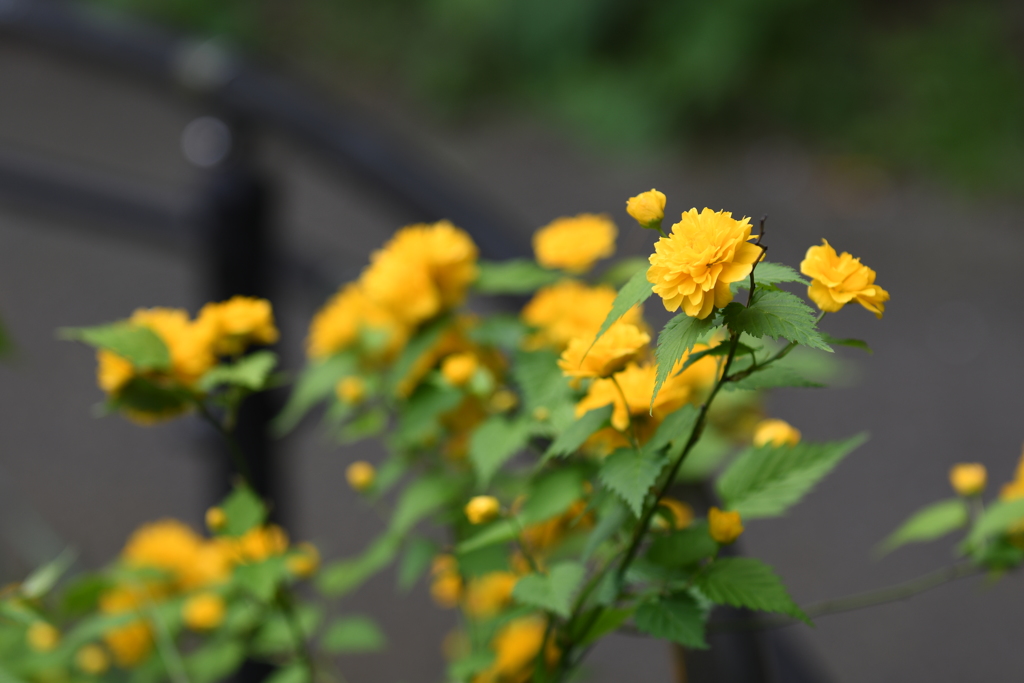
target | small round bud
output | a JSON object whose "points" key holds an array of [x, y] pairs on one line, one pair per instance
{"points": [[216, 519], [305, 561], [361, 475], [968, 479], [724, 526], [680, 514], [776, 433], [648, 208], [459, 368], [482, 509], [92, 659], [351, 390], [203, 612], [541, 414], [503, 401], [42, 637]]}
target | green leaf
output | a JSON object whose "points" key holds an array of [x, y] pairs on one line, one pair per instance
{"points": [[552, 495], [500, 531], [552, 592], [636, 291], [345, 576], [297, 672], [746, 582], [771, 377], [250, 372], [579, 431], [502, 330], [540, 379], [766, 481], [417, 557], [244, 510], [263, 578], [414, 350], [855, 343], [631, 475], [43, 579], [776, 314], [463, 669], [608, 621], [419, 417], [423, 497], [82, 593], [7, 677], [215, 661], [353, 634], [515, 276], [927, 524], [143, 396], [684, 547], [316, 383], [768, 273], [135, 343], [493, 443], [611, 516], [996, 519], [675, 429], [677, 337], [676, 617], [366, 425], [624, 270]]}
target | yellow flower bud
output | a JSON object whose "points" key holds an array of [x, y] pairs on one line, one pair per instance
{"points": [[541, 414], [680, 513], [216, 519], [648, 208], [776, 433], [351, 390], [482, 509], [92, 659], [203, 612], [305, 561], [446, 590], [361, 475], [968, 479], [724, 526], [458, 368], [503, 401], [42, 637]]}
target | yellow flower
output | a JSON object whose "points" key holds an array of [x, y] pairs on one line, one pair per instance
{"points": [[694, 265], [348, 314], [305, 561], [575, 244], [351, 390], [620, 345], [776, 433], [648, 208], [112, 371], [680, 513], [92, 660], [203, 612], [836, 280], [360, 475], [488, 594], [216, 519], [968, 479], [130, 644], [446, 587], [459, 368], [515, 647], [570, 309], [190, 343], [724, 526], [42, 637], [260, 543], [482, 509], [239, 322]]}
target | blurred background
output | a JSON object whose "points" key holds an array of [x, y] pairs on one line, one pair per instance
{"points": [[165, 152]]}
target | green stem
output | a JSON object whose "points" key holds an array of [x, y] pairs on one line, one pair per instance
{"points": [[629, 414], [165, 644], [283, 600], [234, 450]]}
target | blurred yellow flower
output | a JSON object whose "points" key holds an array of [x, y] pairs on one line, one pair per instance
{"points": [[482, 509], [92, 660], [351, 390], [459, 368], [304, 561], [42, 637], [968, 479], [239, 322], [203, 612], [171, 546], [680, 513], [190, 343], [112, 371], [647, 208], [338, 325], [776, 433], [216, 519], [488, 594], [515, 647], [260, 543], [695, 264], [836, 280], [360, 475], [446, 587], [130, 644], [575, 244], [620, 345], [570, 309], [724, 526]]}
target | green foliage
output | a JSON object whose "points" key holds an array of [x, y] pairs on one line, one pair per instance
{"points": [[262, 579], [343, 577], [855, 343], [772, 376], [636, 291], [624, 270], [315, 384], [420, 344], [244, 510], [417, 557], [293, 673], [423, 497], [768, 273], [930, 522], [215, 661], [146, 397], [746, 582], [552, 494], [500, 330], [608, 621], [579, 431], [499, 531], [494, 443], [776, 314], [552, 592], [353, 634], [515, 276], [250, 372], [631, 474], [676, 339], [541, 381], [675, 617], [766, 481], [996, 520], [42, 580], [135, 343], [683, 548], [276, 633], [419, 417]]}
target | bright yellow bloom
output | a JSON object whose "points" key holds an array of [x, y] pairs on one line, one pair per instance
{"points": [[92, 660], [575, 244], [776, 433], [680, 512], [203, 612], [190, 343], [724, 526], [836, 280], [171, 546], [695, 264], [482, 509], [446, 587], [515, 647], [130, 644], [488, 594], [570, 309], [648, 208], [620, 345], [42, 637], [360, 475], [542, 536], [348, 314], [351, 390], [459, 368], [239, 322], [260, 543], [112, 371], [968, 479], [216, 519], [305, 561]]}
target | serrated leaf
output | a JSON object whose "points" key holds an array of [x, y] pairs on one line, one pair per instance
{"points": [[43, 579], [344, 576], [243, 510], [631, 475], [636, 291], [995, 520], [250, 372], [419, 417], [138, 344], [540, 380], [352, 634], [421, 498], [684, 547], [612, 514], [419, 552], [552, 592], [771, 377], [766, 481], [579, 431], [514, 276], [746, 582], [676, 339], [552, 494], [316, 383], [768, 273], [677, 618], [855, 343], [930, 522], [776, 314], [675, 429], [493, 443]]}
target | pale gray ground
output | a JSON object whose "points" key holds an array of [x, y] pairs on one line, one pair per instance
{"points": [[942, 386]]}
